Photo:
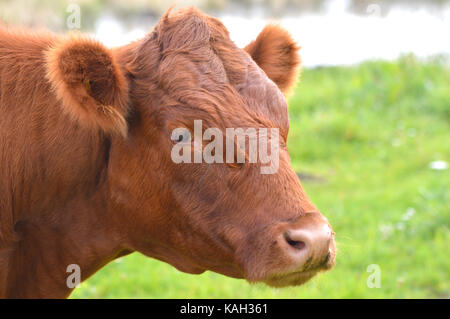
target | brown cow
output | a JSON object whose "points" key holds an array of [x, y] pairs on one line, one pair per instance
{"points": [[86, 172]]}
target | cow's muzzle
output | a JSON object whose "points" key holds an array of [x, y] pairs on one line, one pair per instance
{"points": [[307, 246]]}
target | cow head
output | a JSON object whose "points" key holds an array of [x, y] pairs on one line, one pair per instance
{"points": [[226, 217]]}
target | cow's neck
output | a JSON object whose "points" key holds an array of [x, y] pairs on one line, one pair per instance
{"points": [[81, 236]]}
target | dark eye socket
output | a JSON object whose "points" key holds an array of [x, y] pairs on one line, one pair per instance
{"points": [[181, 135]]}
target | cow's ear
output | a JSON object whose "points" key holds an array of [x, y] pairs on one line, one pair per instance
{"points": [[277, 54], [89, 83]]}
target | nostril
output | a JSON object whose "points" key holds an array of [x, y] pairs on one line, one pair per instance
{"points": [[297, 244], [328, 257]]}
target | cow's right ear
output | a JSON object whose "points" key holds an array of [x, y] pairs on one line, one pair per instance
{"points": [[90, 84]]}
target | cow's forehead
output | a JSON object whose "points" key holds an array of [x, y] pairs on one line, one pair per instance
{"points": [[192, 43], [205, 84], [201, 66]]}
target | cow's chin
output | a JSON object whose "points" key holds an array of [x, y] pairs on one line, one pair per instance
{"points": [[296, 278], [292, 279], [278, 281]]}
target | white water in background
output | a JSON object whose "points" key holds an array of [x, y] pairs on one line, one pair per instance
{"points": [[335, 36]]}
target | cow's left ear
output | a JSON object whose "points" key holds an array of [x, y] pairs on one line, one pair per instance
{"points": [[90, 84], [277, 54]]}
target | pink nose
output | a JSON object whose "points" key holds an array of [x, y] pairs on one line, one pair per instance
{"points": [[310, 244]]}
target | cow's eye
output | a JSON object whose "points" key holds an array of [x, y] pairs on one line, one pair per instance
{"points": [[181, 135]]}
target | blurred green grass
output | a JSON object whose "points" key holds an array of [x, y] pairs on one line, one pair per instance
{"points": [[370, 131]]}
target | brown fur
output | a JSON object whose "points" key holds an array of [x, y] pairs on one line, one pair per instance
{"points": [[89, 83], [73, 191], [276, 53]]}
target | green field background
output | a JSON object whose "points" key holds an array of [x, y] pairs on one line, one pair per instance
{"points": [[363, 137]]}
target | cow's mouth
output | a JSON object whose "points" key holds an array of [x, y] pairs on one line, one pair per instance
{"points": [[297, 278], [292, 279]]}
